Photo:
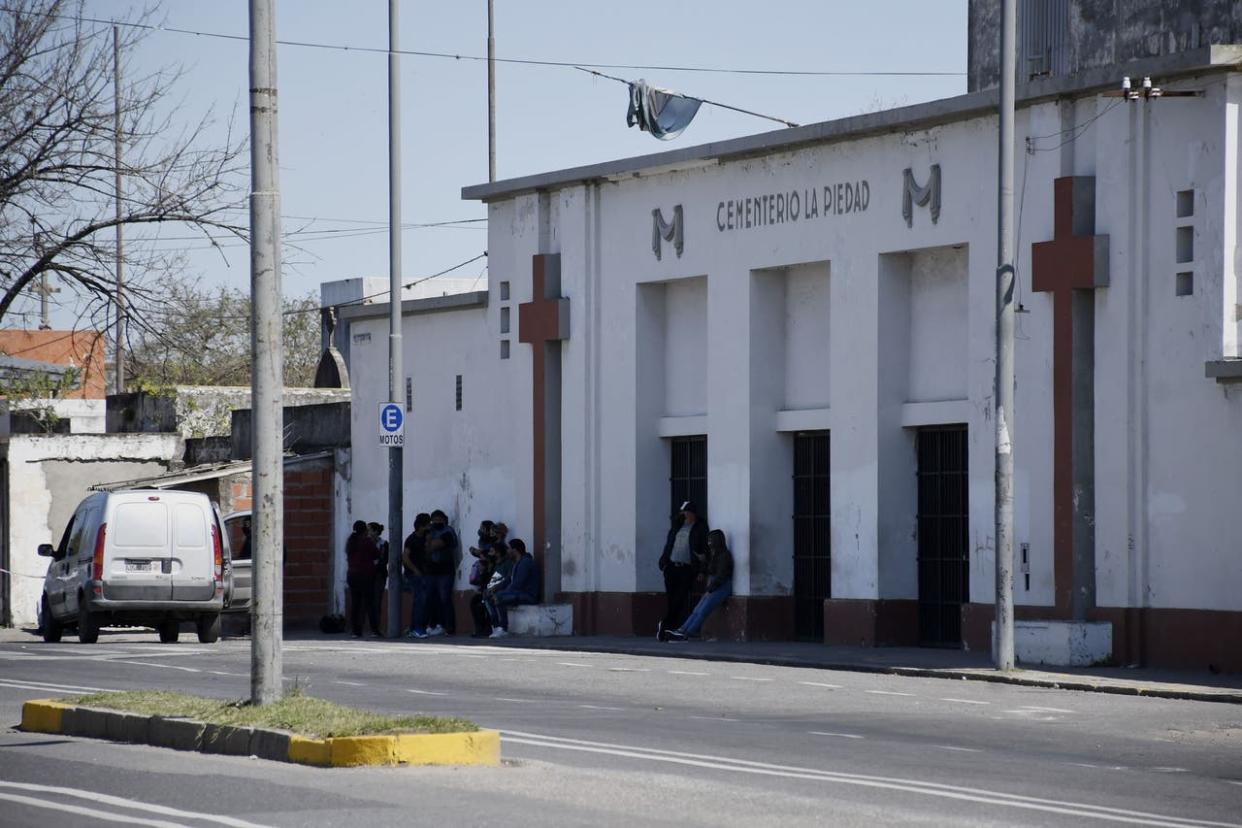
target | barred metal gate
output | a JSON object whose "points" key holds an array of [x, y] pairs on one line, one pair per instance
{"points": [[943, 542], [688, 475], [812, 538]]}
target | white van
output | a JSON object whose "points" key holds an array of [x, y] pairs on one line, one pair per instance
{"points": [[147, 558]]}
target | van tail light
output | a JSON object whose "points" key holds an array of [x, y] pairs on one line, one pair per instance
{"points": [[218, 551], [97, 569]]}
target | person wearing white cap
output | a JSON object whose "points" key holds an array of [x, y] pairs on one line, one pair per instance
{"points": [[684, 551]]}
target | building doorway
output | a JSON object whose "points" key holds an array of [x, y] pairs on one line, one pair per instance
{"points": [[688, 473], [812, 535], [943, 534]]}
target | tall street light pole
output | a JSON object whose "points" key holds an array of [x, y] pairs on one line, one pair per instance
{"points": [[119, 363], [267, 361], [1004, 391], [395, 371], [491, 94]]}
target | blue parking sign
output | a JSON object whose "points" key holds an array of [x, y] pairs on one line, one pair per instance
{"points": [[391, 425]]}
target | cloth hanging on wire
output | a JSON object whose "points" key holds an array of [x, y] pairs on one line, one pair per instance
{"points": [[662, 113]]}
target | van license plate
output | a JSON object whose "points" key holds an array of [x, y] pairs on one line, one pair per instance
{"points": [[137, 566]]}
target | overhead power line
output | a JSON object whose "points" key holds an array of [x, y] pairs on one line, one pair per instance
{"points": [[567, 64], [694, 98]]}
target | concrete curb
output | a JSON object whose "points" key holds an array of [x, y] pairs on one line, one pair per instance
{"points": [[1018, 677], [49, 716]]}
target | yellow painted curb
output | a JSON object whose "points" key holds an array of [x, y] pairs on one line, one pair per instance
{"points": [[43, 715], [479, 748], [310, 751]]}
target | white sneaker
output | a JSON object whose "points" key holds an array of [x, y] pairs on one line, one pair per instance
{"points": [[436, 630], [499, 632]]}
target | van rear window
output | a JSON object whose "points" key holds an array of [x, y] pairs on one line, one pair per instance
{"points": [[140, 525], [191, 528]]}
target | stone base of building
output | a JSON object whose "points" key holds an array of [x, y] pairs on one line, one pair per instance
{"points": [[1061, 643], [1187, 639], [871, 622], [742, 618]]}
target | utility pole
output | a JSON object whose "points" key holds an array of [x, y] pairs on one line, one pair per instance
{"points": [[491, 95], [1004, 391], [119, 362], [267, 363], [395, 372]]}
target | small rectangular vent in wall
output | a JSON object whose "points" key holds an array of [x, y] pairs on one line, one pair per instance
{"points": [[1185, 245], [409, 394], [1185, 203], [459, 392], [504, 291], [504, 320], [1185, 283], [504, 349]]}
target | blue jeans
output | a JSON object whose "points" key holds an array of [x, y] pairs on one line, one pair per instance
{"points": [[704, 608], [499, 605], [417, 585], [441, 588]]}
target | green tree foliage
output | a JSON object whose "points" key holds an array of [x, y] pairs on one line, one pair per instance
{"points": [[201, 336]]}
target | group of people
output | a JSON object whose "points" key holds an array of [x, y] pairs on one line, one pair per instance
{"points": [[503, 574], [692, 550]]}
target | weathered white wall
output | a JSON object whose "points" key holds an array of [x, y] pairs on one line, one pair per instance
{"points": [[899, 336], [48, 477]]}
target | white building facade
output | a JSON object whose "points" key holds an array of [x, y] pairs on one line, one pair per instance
{"points": [[797, 329]]}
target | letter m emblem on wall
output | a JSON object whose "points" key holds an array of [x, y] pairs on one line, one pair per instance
{"points": [[927, 195], [667, 231]]}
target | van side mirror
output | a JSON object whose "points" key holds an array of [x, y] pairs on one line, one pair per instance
{"points": [[46, 550]]}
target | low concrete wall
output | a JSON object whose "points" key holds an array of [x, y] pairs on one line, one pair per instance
{"points": [[48, 476]]}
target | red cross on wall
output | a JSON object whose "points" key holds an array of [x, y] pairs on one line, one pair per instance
{"points": [[543, 323], [1075, 261]]}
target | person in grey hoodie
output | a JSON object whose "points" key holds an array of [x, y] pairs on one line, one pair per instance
{"points": [[719, 587]]}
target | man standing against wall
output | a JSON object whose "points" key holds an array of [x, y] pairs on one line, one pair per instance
{"points": [[686, 545]]}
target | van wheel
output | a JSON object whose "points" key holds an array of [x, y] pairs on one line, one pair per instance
{"points": [[52, 629], [88, 624], [209, 629], [170, 631]]}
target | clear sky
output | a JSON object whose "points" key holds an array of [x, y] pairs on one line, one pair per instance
{"points": [[333, 115]]}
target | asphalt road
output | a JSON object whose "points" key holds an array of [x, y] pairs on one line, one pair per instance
{"points": [[595, 739]]}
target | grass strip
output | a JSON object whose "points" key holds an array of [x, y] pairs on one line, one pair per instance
{"points": [[296, 712]]}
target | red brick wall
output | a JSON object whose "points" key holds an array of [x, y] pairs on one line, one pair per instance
{"points": [[308, 541]]}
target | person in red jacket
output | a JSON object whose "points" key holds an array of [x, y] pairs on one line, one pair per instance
{"points": [[362, 560]]}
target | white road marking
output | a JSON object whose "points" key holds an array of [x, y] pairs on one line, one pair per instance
{"points": [[351, 683], [820, 684], [886, 693], [838, 735], [424, 692], [521, 701], [572, 664], [599, 707], [715, 718], [1169, 770], [918, 786], [629, 669], [93, 813], [1045, 709], [135, 804], [223, 673], [961, 749], [22, 684], [160, 666], [1233, 781], [965, 701], [687, 673], [748, 678]]}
